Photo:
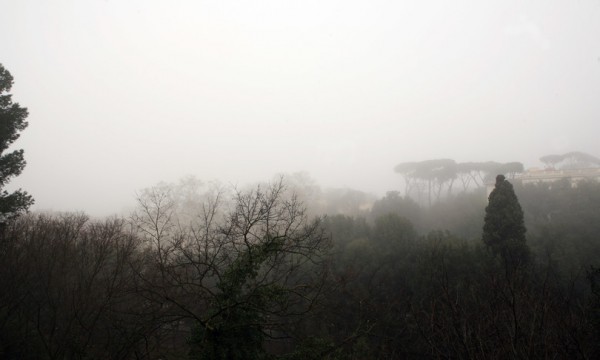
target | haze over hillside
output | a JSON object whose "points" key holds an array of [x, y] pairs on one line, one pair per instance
{"points": [[123, 95]]}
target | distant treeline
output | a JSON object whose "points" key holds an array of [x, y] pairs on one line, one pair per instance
{"points": [[428, 181]]}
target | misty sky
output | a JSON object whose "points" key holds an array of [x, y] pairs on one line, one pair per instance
{"points": [[124, 94]]}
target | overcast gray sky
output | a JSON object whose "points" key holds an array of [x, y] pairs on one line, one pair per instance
{"points": [[124, 94]]}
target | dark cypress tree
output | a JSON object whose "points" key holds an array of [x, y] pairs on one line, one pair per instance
{"points": [[12, 122], [504, 227]]}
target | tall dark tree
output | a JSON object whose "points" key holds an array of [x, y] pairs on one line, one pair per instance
{"points": [[12, 122], [504, 227]]}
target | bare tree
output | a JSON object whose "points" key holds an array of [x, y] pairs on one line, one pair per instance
{"points": [[238, 274], [70, 296]]}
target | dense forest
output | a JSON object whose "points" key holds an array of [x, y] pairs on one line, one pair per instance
{"points": [[203, 271]]}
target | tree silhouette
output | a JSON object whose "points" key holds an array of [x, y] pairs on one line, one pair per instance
{"points": [[504, 227], [12, 122]]}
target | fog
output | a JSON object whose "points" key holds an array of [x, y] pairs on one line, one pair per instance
{"points": [[124, 94]]}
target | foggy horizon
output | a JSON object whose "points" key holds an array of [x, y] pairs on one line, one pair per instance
{"points": [[122, 96]]}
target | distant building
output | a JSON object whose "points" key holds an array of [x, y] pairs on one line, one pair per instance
{"points": [[535, 175], [551, 175]]}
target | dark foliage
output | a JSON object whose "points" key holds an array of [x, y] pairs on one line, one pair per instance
{"points": [[504, 225], [254, 279], [12, 122]]}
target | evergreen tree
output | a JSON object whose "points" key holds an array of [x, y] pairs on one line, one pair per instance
{"points": [[12, 122], [504, 227]]}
